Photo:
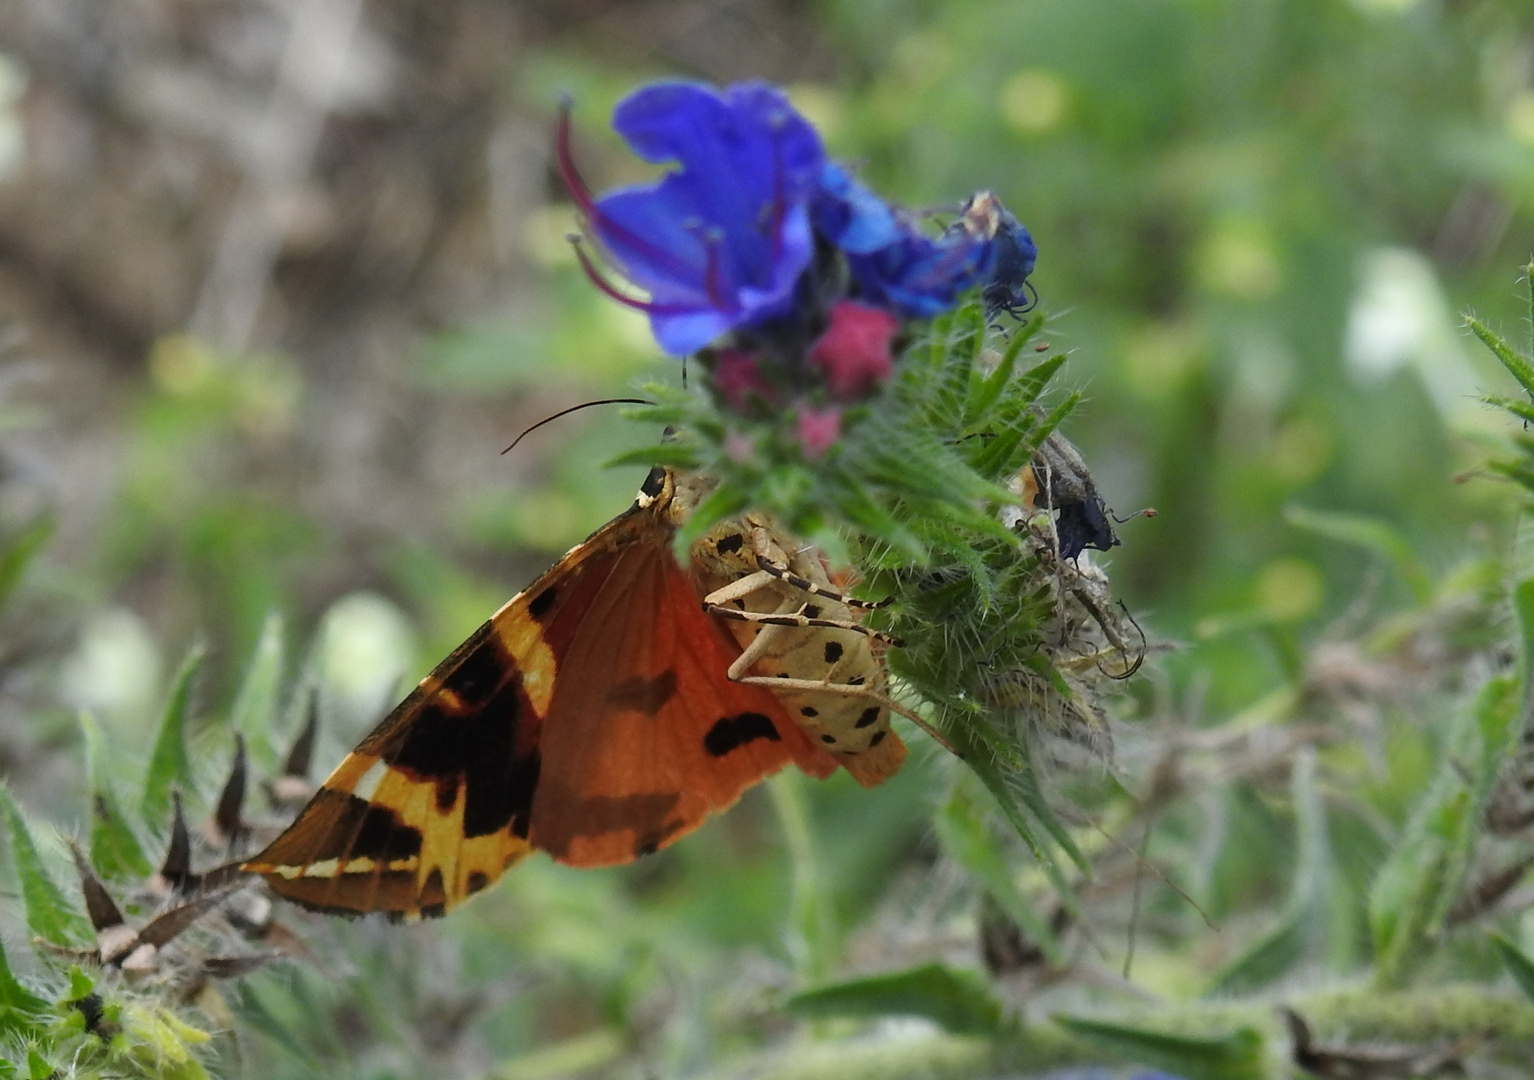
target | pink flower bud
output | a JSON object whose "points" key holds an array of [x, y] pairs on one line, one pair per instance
{"points": [[854, 352], [738, 378], [819, 429]]}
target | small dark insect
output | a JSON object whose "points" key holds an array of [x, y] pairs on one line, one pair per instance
{"points": [[1006, 288], [1063, 484]]}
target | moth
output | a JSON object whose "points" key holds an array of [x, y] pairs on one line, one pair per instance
{"points": [[601, 714]]}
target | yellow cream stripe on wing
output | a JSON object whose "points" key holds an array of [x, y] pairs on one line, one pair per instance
{"points": [[522, 638], [464, 865]]}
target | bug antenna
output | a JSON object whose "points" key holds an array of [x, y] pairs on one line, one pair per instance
{"points": [[1149, 512], [575, 408]]}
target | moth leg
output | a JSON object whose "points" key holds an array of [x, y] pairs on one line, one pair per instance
{"points": [[849, 690], [761, 543]]}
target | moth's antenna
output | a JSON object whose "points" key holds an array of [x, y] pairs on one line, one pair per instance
{"points": [[1148, 512], [575, 408]]}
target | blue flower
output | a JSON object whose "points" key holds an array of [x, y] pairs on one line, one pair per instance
{"points": [[720, 241], [736, 236], [895, 265]]}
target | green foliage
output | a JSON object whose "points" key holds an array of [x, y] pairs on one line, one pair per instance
{"points": [[957, 1000], [1271, 956], [115, 849], [18, 551], [49, 915], [964, 829], [256, 706], [1519, 966], [1328, 767], [170, 763], [19, 1007], [1425, 874], [1240, 1055]]}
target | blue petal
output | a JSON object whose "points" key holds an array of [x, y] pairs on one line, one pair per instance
{"points": [[743, 156], [721, 240], [919, 277], [850, 216]]}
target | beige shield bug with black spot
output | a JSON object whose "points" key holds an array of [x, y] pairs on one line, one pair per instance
{"points": [[803, 640]]}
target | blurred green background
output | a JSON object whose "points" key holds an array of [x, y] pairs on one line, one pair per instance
{"points": [[279, 282]]}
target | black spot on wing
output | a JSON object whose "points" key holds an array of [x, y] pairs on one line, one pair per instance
{"points": [[877, 739], [481, 670], [376, 832], [729, 544], [477, 881], [600, 815], [868, 716], [521, 782], [539, 606], [828, 738], [811, 611], [475, 753], [644, 695], [810, 711], [433, 896], [833, 651], [732, 732]]}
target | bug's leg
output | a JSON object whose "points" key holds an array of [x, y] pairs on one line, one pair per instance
{"points": [[799, 620], [714, 603], [738, 589], [761, 544]]}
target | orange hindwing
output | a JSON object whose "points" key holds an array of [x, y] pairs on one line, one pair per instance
{"points": [[592, 717]]}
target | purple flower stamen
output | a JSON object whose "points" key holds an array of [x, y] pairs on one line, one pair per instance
{"points": [[713, 275], [595, 276], [581, 195], [778, 207]]}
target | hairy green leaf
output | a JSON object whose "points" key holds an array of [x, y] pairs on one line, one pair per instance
{"points": [[16, 554], [960, 1001], [1518, 964], [49, 915], [1422, 879], [19, 1007], [115, 849], [257, 705], [1275, 953], [170, 763], [1236, 1056], [965, 836], [1516, 365], [1372, 535]]}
